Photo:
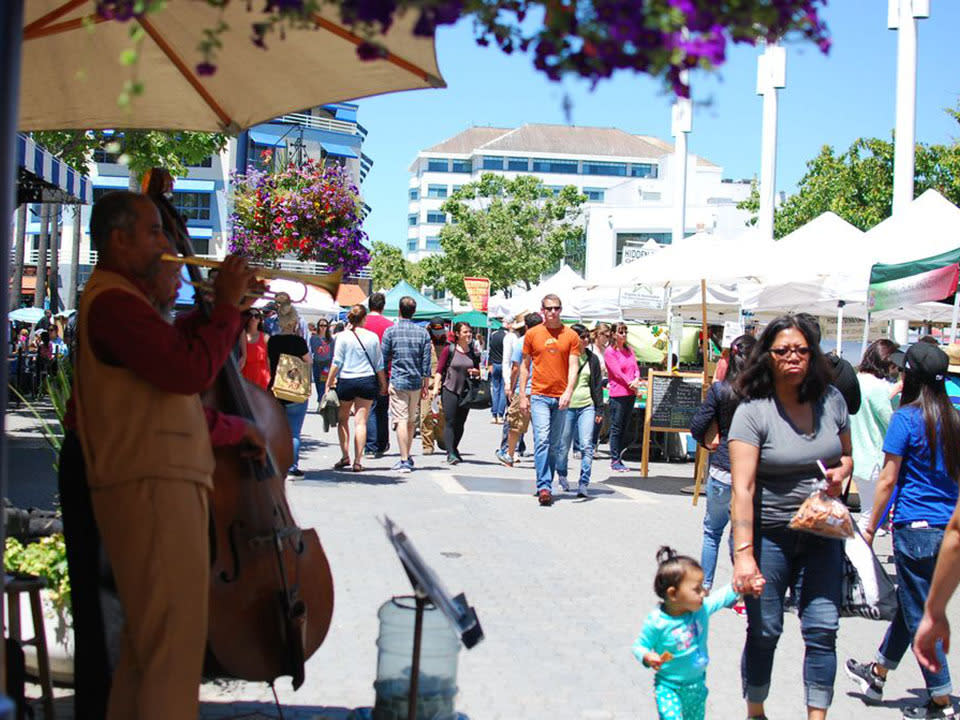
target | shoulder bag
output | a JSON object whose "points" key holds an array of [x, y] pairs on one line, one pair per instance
{"points": [[292, 381]]}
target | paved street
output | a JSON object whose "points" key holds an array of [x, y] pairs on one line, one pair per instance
{"points": [[561, 592]]}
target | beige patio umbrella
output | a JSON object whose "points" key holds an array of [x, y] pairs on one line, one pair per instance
{"points": [[71, 75]]}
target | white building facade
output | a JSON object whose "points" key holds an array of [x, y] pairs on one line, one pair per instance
{"points": [[627, 180]]}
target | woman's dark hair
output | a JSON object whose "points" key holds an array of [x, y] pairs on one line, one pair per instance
{"points": [[671, 569], [457, 326], [876, 360], [580, 329], [255, 314], [326, 330], [356, 315], [938, 414], [739, 356], [338, 327], [756, 379]]}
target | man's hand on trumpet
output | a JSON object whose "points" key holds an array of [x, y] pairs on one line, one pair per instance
{"points": [[234, 283]]}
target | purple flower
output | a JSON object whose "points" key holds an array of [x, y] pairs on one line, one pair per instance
{"points": [[205, 69]]}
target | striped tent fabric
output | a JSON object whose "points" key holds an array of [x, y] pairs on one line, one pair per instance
{"points": [[32, 158]]}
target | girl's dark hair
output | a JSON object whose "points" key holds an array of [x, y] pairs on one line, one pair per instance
{"points": [[457, 327], [876, 360], [756, 379], [671, 569], [258, 315], [938, 414], [580, 329]]}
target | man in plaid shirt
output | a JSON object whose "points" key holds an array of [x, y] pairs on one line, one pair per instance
{"points": [[406, 351]]}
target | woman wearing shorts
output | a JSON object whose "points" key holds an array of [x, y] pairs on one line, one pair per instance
{"points": [[357, 373]]}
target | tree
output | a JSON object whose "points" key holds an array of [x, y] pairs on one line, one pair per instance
{"points": [[139, 150], [388, 266], [857, 184], [511, 231]]}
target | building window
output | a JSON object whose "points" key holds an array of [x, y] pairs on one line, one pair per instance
{"points": [[462, 166], [593, 194], [436, 217], [644, 170], [433, 243], [102, 155], [629, 245], [97, 194], [554, 189], [412, 219], [595, 167], [456, 187], [414, 193], [437, 165], [492, 163], [436, 191], [411, 244], [192, 205], [518, 164], [201, 246], [546, 165]]}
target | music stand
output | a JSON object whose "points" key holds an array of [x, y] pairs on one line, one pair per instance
{"points": [[427, 587]]}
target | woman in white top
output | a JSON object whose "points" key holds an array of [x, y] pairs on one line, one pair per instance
{"points": [[357, 374], [869, 426]]}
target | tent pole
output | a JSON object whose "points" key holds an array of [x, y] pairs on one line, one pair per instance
{"points": [[669, 323], [11, 42], [956, 314], [840, 305], [866, 336]]}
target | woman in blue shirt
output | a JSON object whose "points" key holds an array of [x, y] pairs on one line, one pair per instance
{"points": [[922, 459]]}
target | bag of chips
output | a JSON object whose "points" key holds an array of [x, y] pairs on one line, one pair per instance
{"points": [[823, 515]]}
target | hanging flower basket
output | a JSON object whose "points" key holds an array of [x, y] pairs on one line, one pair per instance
{"points": [[311, 211]]}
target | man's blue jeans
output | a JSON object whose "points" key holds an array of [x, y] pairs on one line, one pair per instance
{"points": [[296, 412], [548, 421], [579, 422], [813, 566], [915, 555], [498, 397], [714, 522], [378, 426]]}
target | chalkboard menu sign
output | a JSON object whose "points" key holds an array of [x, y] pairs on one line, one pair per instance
{"points": [[674, 400]]}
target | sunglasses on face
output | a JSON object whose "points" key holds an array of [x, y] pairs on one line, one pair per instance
{"points": [[782, 352], [621, 332], [551, 308]]}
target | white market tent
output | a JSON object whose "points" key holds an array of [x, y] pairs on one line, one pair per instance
{"points": [[561, 284]]}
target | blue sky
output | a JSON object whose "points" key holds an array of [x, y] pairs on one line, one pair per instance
{"points": [[831, 99]]}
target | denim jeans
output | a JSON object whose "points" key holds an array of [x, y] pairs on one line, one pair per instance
{"points": [[915, 555], [620, 409], [715, 520], [320, 379], [378, 426], [548, 422], [296, 412], [578, 422], [813, 566], [498, 397]]}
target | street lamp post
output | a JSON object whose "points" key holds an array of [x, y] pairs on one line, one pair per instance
{"points": [[771, 76]]}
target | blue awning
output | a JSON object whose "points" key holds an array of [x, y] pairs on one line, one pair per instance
{"points": [[43, 178], [261, 138], [338, 150]]}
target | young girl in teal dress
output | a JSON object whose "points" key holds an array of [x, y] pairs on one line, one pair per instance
{"points": [[674, 637]]}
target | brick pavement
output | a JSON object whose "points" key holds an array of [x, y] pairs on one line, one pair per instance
{"points": [[561, 592]]}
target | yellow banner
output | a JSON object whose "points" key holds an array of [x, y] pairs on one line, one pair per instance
{"points": [[478, 289]]}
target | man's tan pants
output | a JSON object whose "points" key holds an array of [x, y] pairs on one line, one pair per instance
{"points": [[155, 535]]}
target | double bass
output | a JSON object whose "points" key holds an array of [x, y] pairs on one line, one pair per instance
{"points": [[271, 589]]}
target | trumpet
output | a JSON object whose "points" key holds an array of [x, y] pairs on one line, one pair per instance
{"points": [[329, 281]]}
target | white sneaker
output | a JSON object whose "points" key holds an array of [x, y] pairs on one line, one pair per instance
{"points": [[564, 485]]}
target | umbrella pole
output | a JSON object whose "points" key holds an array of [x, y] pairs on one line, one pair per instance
{"points": [[866, 336], [11, 42], [840, 305], [669, 334], [956, 314]]}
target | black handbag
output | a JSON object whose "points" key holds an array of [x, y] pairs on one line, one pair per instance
{"points": [[476, 394]]}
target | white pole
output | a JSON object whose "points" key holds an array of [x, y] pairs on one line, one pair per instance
{"points": [[840, 305], [771, 75], [682, 123], [956, 314], [902, 16], [669, 333]]}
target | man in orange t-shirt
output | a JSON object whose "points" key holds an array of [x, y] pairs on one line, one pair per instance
{"points": [[548, 348]]}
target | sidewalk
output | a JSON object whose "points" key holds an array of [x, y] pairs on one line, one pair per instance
{"points": [[561, 592]]}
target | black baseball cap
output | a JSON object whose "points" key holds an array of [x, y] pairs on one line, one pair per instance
{"points": [[927, 361], [436, 322]]}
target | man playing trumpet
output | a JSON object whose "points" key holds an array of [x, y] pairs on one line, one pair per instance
{"points": [[147, 450]]}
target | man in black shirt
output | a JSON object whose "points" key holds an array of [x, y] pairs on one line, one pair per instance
{"points": [[498, 398], [844, 375]]}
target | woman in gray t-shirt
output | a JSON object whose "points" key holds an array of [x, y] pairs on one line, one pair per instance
{"points": [[791, 417]]}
